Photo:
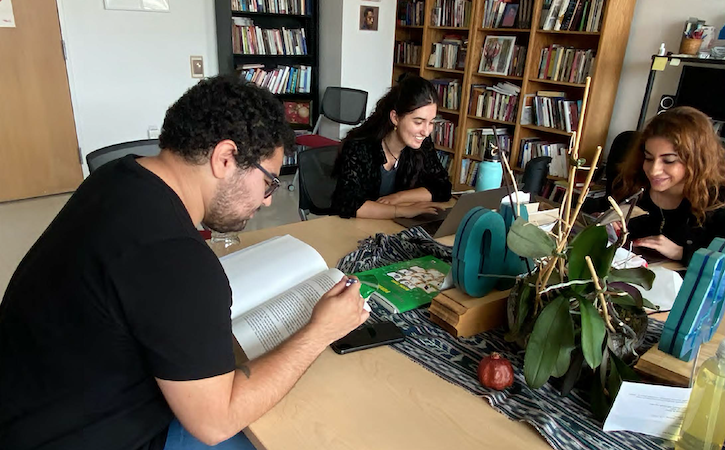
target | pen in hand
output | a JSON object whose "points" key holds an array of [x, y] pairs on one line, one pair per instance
{"points": [[350, 282]]}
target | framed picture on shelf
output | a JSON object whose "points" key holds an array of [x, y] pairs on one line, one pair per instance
{"points": [[297, 112], [496, 55]]}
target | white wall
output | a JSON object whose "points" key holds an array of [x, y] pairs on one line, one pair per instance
{"points": [[126, 67], [654, 22], [366, 57]]}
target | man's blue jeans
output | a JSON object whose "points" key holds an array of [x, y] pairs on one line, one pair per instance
{"points": [[180, 439]]}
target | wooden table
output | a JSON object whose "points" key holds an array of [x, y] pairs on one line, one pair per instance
{"points": [[375, 399]]}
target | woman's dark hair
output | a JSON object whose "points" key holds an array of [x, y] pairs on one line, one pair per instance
{"points": [[405, 97], [224, 107]]}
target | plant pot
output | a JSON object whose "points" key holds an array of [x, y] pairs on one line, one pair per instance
{"points": [[623, 343]]}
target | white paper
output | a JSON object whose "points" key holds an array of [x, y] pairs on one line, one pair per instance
{"points": [[7, 18], [265, 270], [624, 259], [648, 409], [265, 327], [664, 289]]}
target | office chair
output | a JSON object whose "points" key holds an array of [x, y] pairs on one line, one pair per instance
{"points": [[535, 174], [144, 147], [316, 181], [622, 144], [341, 105]]}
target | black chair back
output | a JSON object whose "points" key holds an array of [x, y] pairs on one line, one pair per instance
{"points": [[316, 181], [144, 147], [344, 105], [621, 146], [535, 174]]}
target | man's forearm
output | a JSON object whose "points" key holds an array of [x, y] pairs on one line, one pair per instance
{"points": [[261, 383]]}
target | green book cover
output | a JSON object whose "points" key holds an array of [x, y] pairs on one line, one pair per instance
{"points": [[405, 285]]}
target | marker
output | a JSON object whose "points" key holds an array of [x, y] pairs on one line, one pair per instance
{"points": [[350, 282]]}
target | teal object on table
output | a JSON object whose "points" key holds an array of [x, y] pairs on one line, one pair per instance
{"points": [[490, 174], [480, 252], [698, 307]]}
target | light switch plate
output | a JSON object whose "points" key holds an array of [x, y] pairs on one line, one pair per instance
{"points": [[197, 66]]}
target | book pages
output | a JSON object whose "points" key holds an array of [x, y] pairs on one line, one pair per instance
{"points": [[265, 270], [268, 325]]}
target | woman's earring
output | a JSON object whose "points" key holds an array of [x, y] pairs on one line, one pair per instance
{"points": [[396, 128]]}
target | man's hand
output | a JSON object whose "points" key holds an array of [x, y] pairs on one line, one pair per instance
{"points": [[661, 244], [338, 312], [417, 209]]}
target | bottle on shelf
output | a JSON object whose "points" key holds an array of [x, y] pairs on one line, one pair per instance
{"points": [[704, 424]]}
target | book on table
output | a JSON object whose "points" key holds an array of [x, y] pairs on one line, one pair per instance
{"points": [[275, 284], [406, 285]]}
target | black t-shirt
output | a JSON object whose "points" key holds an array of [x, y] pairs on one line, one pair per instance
{"points": [[120, 288]]}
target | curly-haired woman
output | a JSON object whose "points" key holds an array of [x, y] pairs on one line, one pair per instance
{"points": [[680, 163], [388, 166]]}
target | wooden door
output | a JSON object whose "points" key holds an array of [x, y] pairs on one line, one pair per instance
{"points": [[38, 144]]}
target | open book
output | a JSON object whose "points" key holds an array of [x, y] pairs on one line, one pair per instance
{"points": [[275, 284]]}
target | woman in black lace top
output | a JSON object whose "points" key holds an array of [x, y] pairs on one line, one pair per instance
{"points": [[680, 163], [388, 166]]}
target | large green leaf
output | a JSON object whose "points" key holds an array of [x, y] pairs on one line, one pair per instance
{"points": [[592, 241], [639, 276], [633, 297], [551, 339], [593, 332], [619, 372], [529, 241]]}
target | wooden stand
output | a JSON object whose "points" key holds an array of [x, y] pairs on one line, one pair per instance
{"points": [[463, 315]]}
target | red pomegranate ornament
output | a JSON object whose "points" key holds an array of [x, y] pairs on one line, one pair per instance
{"points": [[495, 372]]}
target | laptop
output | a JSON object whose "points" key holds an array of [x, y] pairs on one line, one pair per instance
{"points": [[446, 222]]}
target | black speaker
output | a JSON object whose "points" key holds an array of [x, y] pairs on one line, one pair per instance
{"points": [[666, 102]]}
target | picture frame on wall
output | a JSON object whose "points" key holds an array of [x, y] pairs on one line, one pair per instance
{"points": [[496, 55], [369, 17]]}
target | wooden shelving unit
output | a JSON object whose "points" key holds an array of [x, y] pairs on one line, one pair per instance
{"points": [[609, 45]]}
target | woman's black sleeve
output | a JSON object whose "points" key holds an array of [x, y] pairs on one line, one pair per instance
{"points": [[352, 168], [434, 177]]}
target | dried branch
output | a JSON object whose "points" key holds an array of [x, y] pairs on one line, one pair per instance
{"points": [[600, 295]]}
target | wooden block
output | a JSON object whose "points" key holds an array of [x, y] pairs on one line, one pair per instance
{"points": [[463, 315], [658, 366]]}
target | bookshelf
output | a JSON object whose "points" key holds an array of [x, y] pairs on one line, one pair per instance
{"points": [[608, 43], [299, 53]]}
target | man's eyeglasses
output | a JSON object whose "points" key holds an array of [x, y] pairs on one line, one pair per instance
{"points": [[272, 185]]}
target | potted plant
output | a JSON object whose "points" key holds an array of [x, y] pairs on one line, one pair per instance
{"points": [[572, 312]]}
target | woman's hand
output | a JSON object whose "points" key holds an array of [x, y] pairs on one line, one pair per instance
{"points": [[661, 244], [392, 199], [417, 209]]}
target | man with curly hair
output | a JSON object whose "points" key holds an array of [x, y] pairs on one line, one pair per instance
{"points": [[115, 329]]}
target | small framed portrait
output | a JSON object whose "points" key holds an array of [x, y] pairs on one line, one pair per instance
{"points": [[197, 66], [369, 17], [496, 55]]}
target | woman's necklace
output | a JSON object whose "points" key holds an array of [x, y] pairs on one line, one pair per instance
{"points": [[387, 148], [662, 224]]}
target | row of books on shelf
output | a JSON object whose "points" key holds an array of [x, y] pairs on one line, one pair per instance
{"points": [[280, 80], [551, 110], [568, 64], [450, 53], [451, 13], [507, 13], [478, 140], [449, 92], [253, 40], [572, 15], [408, 52], [444, 132], [534, 148], [301, 7], [446, 160], [469, 171], [501, 56], [497, 102], [411, 12]]}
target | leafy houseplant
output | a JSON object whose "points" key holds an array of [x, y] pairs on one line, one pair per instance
{"points": [[573, 313]]}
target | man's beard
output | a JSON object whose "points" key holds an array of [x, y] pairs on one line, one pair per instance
{"points": [[220, 216]]}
